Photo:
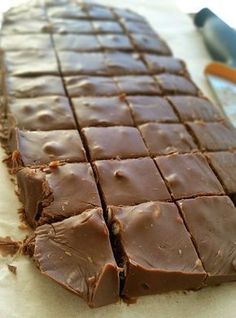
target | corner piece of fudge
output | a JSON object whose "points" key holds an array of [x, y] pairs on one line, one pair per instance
{"points": [[64, 251], [54, 193]]}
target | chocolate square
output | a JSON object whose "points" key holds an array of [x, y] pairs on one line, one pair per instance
{"points": [[155, 249], [108, 142], [22, 26], [174, 84], [137, 27], [121, 63], [150, 43], [214, 136], [26, 42], [68, 11], [23, 12], [137, 85], [212, 222], [130, 181], [115, 42], [99, 12], [41, 113], [48, 194], [83, 85], [101, 111], [164, 139], [64, 26], [188, 175], [31, 63], [191, 108], [106, 27], [76, 42], [224, 165], [36, 86], [127, 14], [151, 108], [42, 147], [168, 64], [82, 63], [97, 281]]}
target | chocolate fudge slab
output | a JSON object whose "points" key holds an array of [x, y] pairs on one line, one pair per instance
{"points": [[76, 42], [164, 139], [41, 113], [161, 64], [101, 111], [175, 84], [130, 181], [136, 85], [118, 142], [25, 42], [156, 250], [78, 86], [23, 87], [150, 44], [150, 109], [192, 108], [31, 63], [211, 222], [188, 175], [48, 194], [64, 251], [214, 136], [224, 165], [42, 147], [76, 63], [122, 63]]}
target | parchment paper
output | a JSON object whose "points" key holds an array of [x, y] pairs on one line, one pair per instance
{"points": [[31, 295]]}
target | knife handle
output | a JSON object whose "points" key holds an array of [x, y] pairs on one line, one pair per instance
{"points": [[219, 37]]}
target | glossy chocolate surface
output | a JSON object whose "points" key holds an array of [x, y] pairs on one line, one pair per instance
{"points": [[180, 171], [89, 272], [155, 248], [212, 221]]}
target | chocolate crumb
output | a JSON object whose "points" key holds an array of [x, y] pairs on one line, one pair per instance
{"points": [[122, 97], [8, 246], [12, 268], [54, 164]]}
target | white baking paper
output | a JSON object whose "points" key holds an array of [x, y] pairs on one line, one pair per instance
{"points": [[29, 294]]}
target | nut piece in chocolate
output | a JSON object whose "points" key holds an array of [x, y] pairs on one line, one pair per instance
{"points": [[53, 193], [155, 249], [64, 251]]}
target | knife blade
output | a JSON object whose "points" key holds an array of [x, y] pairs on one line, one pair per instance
{"points": [[220, 40]]}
